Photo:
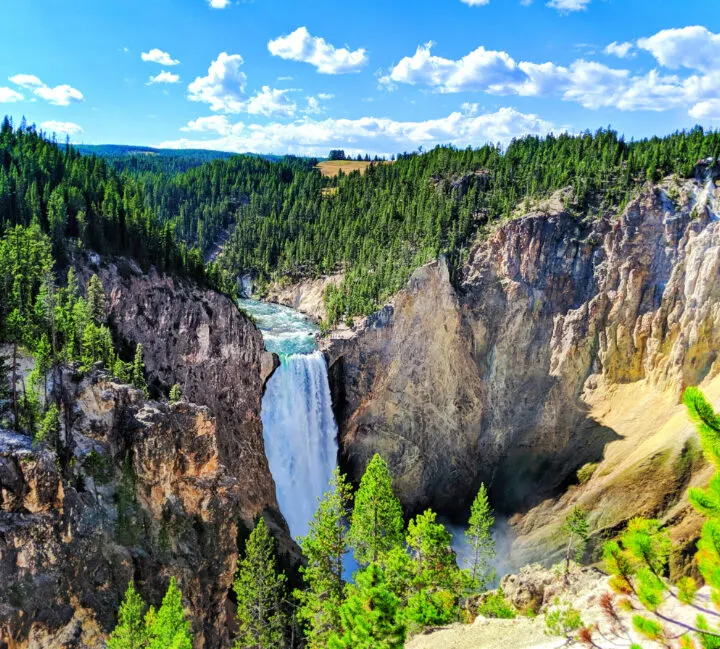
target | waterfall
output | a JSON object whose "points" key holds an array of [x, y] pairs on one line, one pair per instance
{"points": [[300, 436]]}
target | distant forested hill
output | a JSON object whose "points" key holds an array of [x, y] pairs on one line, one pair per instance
{"points": [[280, 217]]}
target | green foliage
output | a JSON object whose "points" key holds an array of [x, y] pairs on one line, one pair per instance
{"points": [[175, 394], [141, 628], [128, 523], [168, 628], [377, 524], [138, 371], [427, 608], [98, 467], [563, 620], [260, 592], [96, 300], [430, 545], [49, 428], [324, 548], [130, 632], [369, 615], [83, 199], [577, 531], [480, 540], [497, 606], [586, 472]]}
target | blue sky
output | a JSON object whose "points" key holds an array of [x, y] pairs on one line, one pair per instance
{"points": [[378, 76]]}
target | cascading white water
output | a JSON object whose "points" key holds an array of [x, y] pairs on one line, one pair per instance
{"points": [[298, 423], [300, 436]]}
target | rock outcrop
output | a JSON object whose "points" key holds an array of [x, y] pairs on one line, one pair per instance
{"points": [[151, 489], [564, 343], [305, 296]]}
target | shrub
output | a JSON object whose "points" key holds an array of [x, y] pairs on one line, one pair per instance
{"points": [[497, 606], [586, 472]]}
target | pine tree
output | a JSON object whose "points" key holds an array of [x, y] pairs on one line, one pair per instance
{"points": [[168, 628], [130, 632], [324, 548], [577, 531], [377, 523], [370, 615], [138, 370], [175, 394], [480, 539], [96, 300], [260, 591]]}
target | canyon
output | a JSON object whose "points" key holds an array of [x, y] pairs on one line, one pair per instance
{"points": [[562, 344]]}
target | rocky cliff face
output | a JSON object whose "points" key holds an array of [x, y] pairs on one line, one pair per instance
{"points": [[538, 362], [155, 489]]}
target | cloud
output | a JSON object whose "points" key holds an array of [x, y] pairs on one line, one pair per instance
{"points": [[695, 48], [158, 56], [213, 124], [219, 4], [29, 81], [271, 101], [301, 46], [566, 6], [8, 95], [621, 50], [372, 135], [709, 109], [224, 86], [591, 84], [64, 128], [326, 96], [484, 70], [476, 3], [62, 95], [164, 77]]}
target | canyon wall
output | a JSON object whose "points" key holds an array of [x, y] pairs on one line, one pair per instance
{"points": [[563, 343], [153, 490]]}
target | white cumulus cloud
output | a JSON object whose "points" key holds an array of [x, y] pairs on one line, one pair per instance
{"points": [[696, 48], [223, 88], [709, 109], [64, 128], [621, 50], [213, 124], [301, 46], [8, 95], [271, 101], [158, 56], [476, 3], [62, 95], [373, 135], [164, 77], [219, 4]]}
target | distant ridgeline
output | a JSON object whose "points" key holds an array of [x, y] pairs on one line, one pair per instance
{"points": [[287, 219], [281, 217]]}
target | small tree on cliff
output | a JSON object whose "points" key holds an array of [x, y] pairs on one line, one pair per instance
{"points": [[260, 591], [324, 549], [577, 531], [480, 539], [168, 628], [377, 522], [130, 631], [138, 370]]}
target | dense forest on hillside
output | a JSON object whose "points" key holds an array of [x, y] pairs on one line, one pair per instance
{"points": [[378, 226], [82, 200], [282, 218]]}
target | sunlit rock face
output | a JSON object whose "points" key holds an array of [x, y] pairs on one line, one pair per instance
{"points": [[510, 375]]}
